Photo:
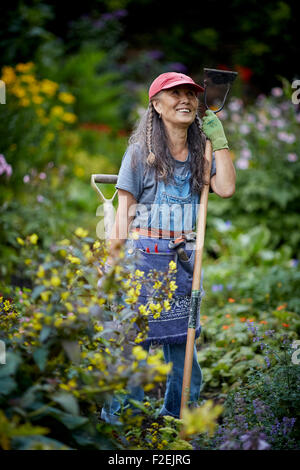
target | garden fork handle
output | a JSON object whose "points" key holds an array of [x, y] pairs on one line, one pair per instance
{"points": [[196, 292]]}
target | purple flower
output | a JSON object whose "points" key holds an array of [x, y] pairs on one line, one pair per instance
{"points": [[217, 287], [42, 176], [270, 333], [255, 440], [155, 54], [120, 13], [107, 16], [294, 262], [267, 361], [178, 67], [26, 179], [40, 198], [288, 424], [275, 112]]}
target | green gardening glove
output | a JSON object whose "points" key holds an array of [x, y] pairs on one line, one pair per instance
{"points": [[213, 129]]}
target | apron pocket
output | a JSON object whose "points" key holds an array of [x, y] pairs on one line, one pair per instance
{"points": [[152, 261]]}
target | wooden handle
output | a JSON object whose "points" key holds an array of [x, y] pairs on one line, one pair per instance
{"points": [[195, 298]]}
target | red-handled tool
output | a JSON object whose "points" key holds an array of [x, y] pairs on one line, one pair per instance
{"points": [[155, 248]]}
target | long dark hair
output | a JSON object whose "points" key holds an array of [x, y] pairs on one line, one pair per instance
{"points": [[150, 135]]}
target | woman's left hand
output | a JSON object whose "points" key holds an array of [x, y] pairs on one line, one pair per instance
{"points": [[213, 129]]}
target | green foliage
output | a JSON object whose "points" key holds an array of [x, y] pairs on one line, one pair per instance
{"points": [[98, 91], [63, 348], [263, 412]]}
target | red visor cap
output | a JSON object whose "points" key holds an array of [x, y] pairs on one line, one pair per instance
{"points": [[170, 79]]}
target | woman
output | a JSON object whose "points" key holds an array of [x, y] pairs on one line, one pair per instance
{"points": [[159, 186]]}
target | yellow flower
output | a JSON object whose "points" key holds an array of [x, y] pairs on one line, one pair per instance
{"points": [[172, 266], [65, 295], [20, 241], [157, 285], [57, 111], [65, 241], [37, 99], [28, 79], [45, 295], [80, 232], [149, 387], [69, 306], [41, 272], [73, 260], [143, 310], [66, 97], [167, 305], [23, 68], [139, 273], [83, 310], [69, 117], [139, 353], [49, 87], [33, 238], [96, 244], [173, 286], [18, 91], [58, 322], [202, 419], [155, 308], [55, 281], [8, 75]]}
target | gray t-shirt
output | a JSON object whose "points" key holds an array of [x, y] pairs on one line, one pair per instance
{"points": [[146, 190], [143, 187]]}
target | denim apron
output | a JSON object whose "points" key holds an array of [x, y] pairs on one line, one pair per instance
{"points": [[171, 327]]}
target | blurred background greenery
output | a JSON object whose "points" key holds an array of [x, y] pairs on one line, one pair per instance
{"points": [[76, 79]]}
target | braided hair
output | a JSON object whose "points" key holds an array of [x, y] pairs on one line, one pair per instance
{"points": [[152, 140]]}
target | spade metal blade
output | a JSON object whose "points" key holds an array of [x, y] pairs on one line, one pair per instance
{"points": [[213, 77]]}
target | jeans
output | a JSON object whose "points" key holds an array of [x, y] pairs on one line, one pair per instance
{"points": [[174, 353]]}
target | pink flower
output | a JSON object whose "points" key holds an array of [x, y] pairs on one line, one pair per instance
{"points": [[285, 137], [5, 167], [242, 163], [245, 153], [42, 176], [276, 91], [26, 179], [292, 157]]}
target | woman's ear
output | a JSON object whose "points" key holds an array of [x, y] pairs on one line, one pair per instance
{"points": [[156, 106]]}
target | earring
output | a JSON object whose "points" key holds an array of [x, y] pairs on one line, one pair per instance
{"points": [[159, 115]]}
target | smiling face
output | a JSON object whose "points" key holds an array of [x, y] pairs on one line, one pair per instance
{"points": [[177, 106]]}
